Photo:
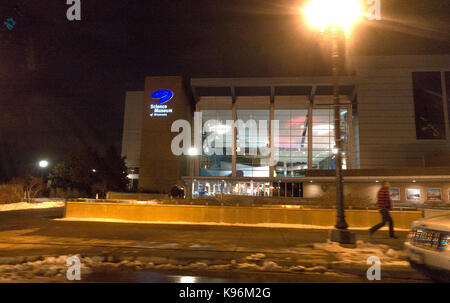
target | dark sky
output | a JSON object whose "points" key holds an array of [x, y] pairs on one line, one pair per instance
{"points": [[74, 95]]}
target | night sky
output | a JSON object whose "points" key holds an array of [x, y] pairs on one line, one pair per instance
{"points": [[63, 84]]}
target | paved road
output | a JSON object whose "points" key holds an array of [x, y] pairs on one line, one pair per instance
{"points": [[35, 232]]}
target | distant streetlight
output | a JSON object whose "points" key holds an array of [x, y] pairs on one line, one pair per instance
{"points": [[43, 163], [335, 17], [192, 152]]}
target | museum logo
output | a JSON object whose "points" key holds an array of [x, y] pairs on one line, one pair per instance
{"points": [[161, 109]]}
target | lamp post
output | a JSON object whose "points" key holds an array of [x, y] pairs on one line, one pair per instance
{"points": [[192, 153], [43, 164], [334, 17]]}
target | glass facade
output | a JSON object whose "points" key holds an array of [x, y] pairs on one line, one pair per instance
{"points": [[447, 88], [323, 141], [250, 141], [216, 154], [287, 189], [428, 105], [213, 188], [292, 145]]}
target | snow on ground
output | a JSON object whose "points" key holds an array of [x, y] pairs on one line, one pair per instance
{"points": [[267, 225], [30, 268], [364, 250], [26, 205], [54, 268]]}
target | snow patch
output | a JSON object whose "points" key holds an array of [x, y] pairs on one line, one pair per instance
{"points": [[26, 205], [270, 266], [297, 268], [320, 269], [256, 257], [363, 250], [198, 265], [199, 245]]}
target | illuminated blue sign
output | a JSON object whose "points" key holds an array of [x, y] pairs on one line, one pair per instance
{"points": [[160, 109], [163, 95]]}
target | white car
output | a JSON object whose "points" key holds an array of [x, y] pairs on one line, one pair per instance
{"points": [[428, 246]]}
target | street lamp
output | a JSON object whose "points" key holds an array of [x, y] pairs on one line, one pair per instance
{"points": [[192, 152], [335, 17], [43, 163]]}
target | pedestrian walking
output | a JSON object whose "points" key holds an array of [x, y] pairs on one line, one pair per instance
{"points": [[384, 206]]}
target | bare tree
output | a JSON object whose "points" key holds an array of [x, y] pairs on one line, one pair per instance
{"points": [[31, 185]]}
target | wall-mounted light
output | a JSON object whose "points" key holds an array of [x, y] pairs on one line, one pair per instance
{"points": [[192, 151], [335, 150]]}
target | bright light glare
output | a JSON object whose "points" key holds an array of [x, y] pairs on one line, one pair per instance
{"points": [[43, 163], [323, 129], [187, 279], [344, 13], [192, 151]]}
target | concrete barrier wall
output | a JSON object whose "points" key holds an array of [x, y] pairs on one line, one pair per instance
{"points": [[232, 215], [135, 196], [435, 212]]}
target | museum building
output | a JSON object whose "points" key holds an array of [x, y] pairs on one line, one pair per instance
{"points": [[394, 114]]}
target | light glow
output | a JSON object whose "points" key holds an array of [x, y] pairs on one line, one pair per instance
{"points": [[43, 163], [192, 151], [187, 279], [342, 13], [323, 129]]}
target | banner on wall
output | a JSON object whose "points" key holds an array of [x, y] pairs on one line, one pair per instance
{"points": [[373, 9]]}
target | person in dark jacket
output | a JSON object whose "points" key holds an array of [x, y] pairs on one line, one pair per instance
{"points": [[384, 205], [176, 192]]}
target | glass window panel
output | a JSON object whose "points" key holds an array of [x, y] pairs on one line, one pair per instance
{"points": [[216, 164], [253, 165], [447, 86], [323, 137], [428, 105], [292, 142]]}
